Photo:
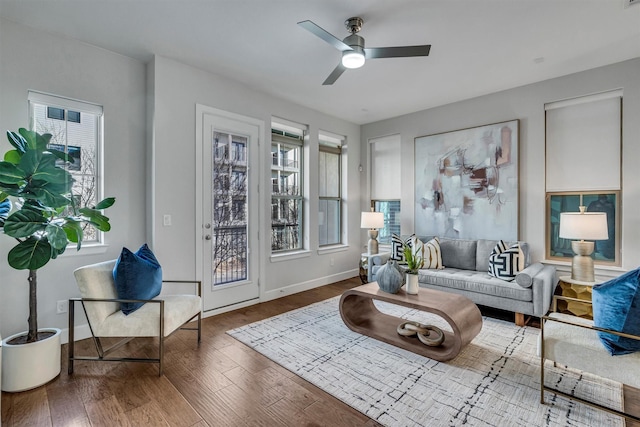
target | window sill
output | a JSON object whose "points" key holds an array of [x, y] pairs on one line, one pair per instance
{"points": [[92, 249], [290, 256], [332, 249]]}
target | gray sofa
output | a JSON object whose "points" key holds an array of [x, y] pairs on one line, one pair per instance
{"points": [[466, 264]]}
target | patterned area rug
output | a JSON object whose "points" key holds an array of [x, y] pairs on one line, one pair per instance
{"points": [[494, 381]]}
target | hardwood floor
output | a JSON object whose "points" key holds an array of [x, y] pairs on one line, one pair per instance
{"points": [[223, 383]]}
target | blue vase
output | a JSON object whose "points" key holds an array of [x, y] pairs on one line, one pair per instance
{"points": [[389, 278]]}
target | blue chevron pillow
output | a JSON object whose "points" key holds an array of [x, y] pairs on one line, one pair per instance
{"points": [[506, 262]]}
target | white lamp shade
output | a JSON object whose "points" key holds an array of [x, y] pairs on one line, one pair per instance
{"points": [[372, 220], [584, 226]]}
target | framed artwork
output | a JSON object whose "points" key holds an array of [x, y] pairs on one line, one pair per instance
{"points": [[466, 183], [606, 252]]}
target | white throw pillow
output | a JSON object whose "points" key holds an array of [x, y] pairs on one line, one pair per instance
{"points": [[432, 254]]}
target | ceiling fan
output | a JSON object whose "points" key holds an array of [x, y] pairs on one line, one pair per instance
{"points": [[353, 50]]}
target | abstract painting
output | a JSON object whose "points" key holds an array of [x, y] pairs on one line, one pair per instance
{"points": [[467, 183]]}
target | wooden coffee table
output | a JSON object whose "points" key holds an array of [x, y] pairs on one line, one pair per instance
{"points": [[360, 314]]}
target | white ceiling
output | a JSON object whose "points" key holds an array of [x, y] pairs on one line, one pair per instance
{"points": [[478, 46]]}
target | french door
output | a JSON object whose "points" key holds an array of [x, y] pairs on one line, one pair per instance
{"points": [[228, 230]]}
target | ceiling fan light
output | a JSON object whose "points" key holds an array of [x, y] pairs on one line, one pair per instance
{"points": [[353, 59]]}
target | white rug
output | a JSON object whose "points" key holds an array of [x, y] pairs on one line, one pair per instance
{"points": [[494, 381]]}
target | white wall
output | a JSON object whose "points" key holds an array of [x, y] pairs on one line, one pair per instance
{"points": [[176, 91], [527, 104], [31, 59]]}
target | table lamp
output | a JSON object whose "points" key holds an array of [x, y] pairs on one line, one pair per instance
{"points": [[372, 221], [583, 226]]}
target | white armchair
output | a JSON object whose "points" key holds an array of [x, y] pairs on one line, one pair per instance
{"points": [[572, 341], [158, 317]]}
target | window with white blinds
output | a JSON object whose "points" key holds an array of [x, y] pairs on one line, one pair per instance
{"points": [[385, 170], [330, 199], [583, 143], [76, 128]]}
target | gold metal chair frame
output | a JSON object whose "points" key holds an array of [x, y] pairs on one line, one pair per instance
{"points": [[102, 353], [543, 387]]}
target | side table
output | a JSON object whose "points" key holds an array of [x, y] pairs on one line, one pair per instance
{"points": [[366, 261], [567, 287]]}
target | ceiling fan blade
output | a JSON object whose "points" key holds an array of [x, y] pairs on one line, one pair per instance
{"points": [[337, 72], [397, 52], [324, 35]]}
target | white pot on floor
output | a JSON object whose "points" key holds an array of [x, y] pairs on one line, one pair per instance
{"points": [[27, 366]]}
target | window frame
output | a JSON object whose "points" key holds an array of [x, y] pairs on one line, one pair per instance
{"points": [[290, 137], [585, 199], [387, 220], [47, 101], [582, 176], [332, 145]]}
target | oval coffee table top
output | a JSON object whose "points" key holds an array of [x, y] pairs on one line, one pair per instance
{"points": [[360, 315]]}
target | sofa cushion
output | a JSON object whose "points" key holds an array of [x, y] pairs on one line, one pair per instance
{"points": [[475, 281], [506, 262], [458, 253], [432, 254], [616, 306]]}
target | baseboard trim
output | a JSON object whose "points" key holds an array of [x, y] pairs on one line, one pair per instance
{"points": [[305, 286]]}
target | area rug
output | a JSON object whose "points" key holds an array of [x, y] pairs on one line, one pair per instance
{"points": [[494, 381]]}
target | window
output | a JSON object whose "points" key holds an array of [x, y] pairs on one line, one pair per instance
{"points": [[287, 197], [230, 193], [391, 211], [384, 175], [60, 113], [330, 189], [586, 130], [605, 251], [76, 129]]}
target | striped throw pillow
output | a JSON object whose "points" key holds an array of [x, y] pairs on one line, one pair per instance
{"points": [[432, 254]]}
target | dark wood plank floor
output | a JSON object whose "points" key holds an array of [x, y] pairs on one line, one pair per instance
{"points": [[223, 383]]}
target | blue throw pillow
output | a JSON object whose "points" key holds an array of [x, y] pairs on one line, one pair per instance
{"points": [[137, 276], [616, 306]]}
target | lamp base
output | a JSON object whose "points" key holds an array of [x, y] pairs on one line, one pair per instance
{"points": [[582, 263], [372, 245]]}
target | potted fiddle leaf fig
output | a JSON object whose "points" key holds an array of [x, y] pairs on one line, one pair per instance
{"points": [[38, 211]]}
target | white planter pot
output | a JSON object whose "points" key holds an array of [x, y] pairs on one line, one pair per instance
{"points": [[412, 284], [27, 366]]}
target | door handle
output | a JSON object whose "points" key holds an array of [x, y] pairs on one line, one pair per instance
{"points": [[207, 237]]}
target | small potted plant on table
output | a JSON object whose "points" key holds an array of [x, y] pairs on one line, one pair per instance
{"points": [[415, 261]]}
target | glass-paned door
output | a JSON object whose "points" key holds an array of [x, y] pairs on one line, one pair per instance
{"points": [[230, 212]]}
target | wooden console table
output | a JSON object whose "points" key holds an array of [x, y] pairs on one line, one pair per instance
{"points": [[360, 315]]}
